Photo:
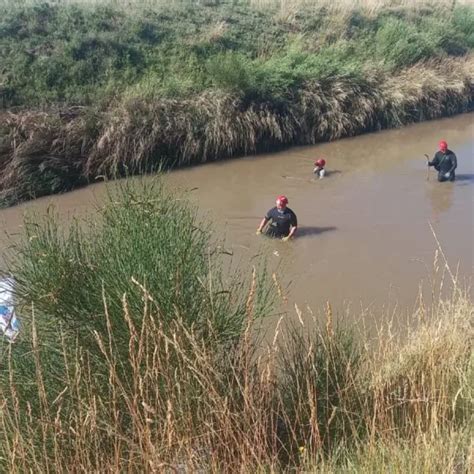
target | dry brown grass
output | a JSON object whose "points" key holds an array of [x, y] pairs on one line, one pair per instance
{"points": [[188, 406], [57, 150], [44, 152], [286, 8]]}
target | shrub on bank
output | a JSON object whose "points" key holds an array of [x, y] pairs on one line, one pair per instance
{"points": [[147, 235]]}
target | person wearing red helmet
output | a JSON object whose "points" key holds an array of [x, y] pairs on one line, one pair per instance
{"points": [[319, 167], [444, 162], [283, 221]]}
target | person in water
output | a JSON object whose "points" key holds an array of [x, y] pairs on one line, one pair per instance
{"points": [[283, 221], [319, 167], [444, 162]]}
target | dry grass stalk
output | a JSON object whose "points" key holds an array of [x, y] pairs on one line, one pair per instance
{"points": [[185, 405]]}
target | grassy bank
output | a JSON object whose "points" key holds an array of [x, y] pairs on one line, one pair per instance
{"points": [[137, 353], [91, 89]]}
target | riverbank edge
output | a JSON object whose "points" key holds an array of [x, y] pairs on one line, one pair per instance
{"points": [[56, 150]]}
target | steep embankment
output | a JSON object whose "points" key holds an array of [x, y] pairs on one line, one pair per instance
{"points": [[90, 91]]}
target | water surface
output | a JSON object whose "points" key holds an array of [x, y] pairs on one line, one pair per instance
{"points": [[364, 231]]}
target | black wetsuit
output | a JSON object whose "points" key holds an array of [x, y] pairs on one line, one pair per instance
{"points": [[445, 164], [280, 222]]}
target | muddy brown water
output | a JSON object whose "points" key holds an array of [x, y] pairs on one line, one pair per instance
{"points": [[364, 236]]}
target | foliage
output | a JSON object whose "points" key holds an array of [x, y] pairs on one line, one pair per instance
{"points": [[84, 54]]}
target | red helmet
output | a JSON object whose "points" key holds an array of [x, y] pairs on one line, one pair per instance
{"points": [[321, 162], [443, 146], [282, 200]]}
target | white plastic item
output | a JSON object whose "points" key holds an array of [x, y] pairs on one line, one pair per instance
{"points": [[9, 323]]}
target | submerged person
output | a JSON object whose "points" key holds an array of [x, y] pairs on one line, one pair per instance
{"points": [[319, 167], [283, 221], [444, 162]]}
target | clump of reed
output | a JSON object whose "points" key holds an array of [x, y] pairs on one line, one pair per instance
{"points": [[137, 354], [43, 153]]}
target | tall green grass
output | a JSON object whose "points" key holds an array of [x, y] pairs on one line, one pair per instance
{"points": [[140, 238], [84, 54], [137, 354]]}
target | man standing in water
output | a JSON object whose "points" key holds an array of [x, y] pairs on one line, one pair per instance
{"points": [[319, 167], [283, 222], [445, 162]]}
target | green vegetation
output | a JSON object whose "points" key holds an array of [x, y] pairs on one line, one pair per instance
{"points": [[138, 354], [84, 55], [108, 88]]}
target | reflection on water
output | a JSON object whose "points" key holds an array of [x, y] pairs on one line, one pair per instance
{"points": [[440, 196], [465, 179]]}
